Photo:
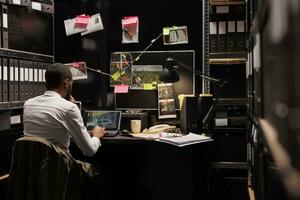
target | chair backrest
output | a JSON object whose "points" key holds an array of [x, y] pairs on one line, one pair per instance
{"points": [[41, 170]]}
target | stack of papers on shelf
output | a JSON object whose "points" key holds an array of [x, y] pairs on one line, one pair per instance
{"points": [[174, 138]]}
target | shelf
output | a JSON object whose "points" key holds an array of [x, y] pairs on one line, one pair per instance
{"points": [[225, 2], [231, 101], [227, 129], [229, 165], [11, 105], [226, 61], [25, 55]]}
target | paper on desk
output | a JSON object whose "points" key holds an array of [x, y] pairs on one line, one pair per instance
{"points": [[188, 139], [149, 136], [171, 138]]}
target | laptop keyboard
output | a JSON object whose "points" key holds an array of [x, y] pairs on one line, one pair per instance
{"points": [[111, 133]]}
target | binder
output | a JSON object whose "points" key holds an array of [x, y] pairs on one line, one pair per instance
{"points": [[44, 68], [4, 26], [213, 40], [241, 37], [222, 40], [16, 79], [1, 29], [1, 83], [26, 3], [11, 81], [40, 77], [26, 80], [231, 36], [47, 8], [21, 81], [5, 80], [30, 79], [35, 79]]}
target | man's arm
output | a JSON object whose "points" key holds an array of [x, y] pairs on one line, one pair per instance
{"points": [[75, 126]]}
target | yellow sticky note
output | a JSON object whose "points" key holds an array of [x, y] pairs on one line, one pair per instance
{"points": [[116, 75], [148, 86], [166, 31]]}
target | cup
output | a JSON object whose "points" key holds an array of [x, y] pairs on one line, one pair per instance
{"points": [[135, 126]]}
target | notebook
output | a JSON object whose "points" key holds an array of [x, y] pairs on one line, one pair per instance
{"points": [[110, 120]]}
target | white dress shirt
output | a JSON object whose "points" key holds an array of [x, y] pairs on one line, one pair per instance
{"points": [[53, 118]]}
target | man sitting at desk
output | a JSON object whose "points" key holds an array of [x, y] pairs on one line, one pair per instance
{"points": [[54, 117]]}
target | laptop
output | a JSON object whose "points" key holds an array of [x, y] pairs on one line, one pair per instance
{"points": [[110, 120]]}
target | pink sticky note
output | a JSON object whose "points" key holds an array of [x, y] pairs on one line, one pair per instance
{"points": [[130, 22], [82, 21], [121, 89], [76, 64]]}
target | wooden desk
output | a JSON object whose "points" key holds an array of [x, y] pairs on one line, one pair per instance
{"points": [[150, 170]]}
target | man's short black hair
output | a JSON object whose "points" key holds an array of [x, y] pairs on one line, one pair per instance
{"points": [[55, 75]]}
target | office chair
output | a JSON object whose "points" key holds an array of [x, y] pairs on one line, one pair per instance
{"points": [[41, 170]]}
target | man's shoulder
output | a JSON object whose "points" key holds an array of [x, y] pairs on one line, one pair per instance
{"points": [[59, 103]]}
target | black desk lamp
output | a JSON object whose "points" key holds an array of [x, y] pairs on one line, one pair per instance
{"points": [[205, 104], [170, 74]]}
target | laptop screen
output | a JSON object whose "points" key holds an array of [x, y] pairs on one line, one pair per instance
{"points": [[110, 120]]}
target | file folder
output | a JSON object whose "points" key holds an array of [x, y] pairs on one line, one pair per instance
{"points": [[213, 40], [26, 3], [5, 80], [21, 80], [35, 79], [1, 27], [4, 26], [26, 81], [222, 41], [30, 79], [1, 83], [40, 78], [16, 80], [48, 8], [231, 36], [241, 37], [11, 81]]}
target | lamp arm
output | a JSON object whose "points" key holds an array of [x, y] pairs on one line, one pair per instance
{"points": [[197, 72]]}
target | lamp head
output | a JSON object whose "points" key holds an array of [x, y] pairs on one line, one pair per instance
{"points": [[169, 73]]}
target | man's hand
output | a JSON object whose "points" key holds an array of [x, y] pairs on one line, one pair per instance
{"points": [[98, 132], [72, 99]]}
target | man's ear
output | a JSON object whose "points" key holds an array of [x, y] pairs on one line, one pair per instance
{"points": [[65, 83]]}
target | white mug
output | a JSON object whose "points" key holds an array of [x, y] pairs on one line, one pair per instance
{"points": [[135, 126]]}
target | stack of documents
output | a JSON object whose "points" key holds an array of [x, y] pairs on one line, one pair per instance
{"points": [[188, 139], [175, 138]]}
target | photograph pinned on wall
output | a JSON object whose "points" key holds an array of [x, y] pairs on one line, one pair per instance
{"points": [[83, 24], [95, 24], [130, 29], [78, 70], [120, 68], [149, 75], [71, 28], [175, 35], [166, 101], [165, 91]]}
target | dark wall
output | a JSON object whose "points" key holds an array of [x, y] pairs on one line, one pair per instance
{"points": [[90, 48], [153, 16]]}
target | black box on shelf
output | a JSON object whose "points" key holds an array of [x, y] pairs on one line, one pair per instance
{"points": [[229, 184], [230, 145]]}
